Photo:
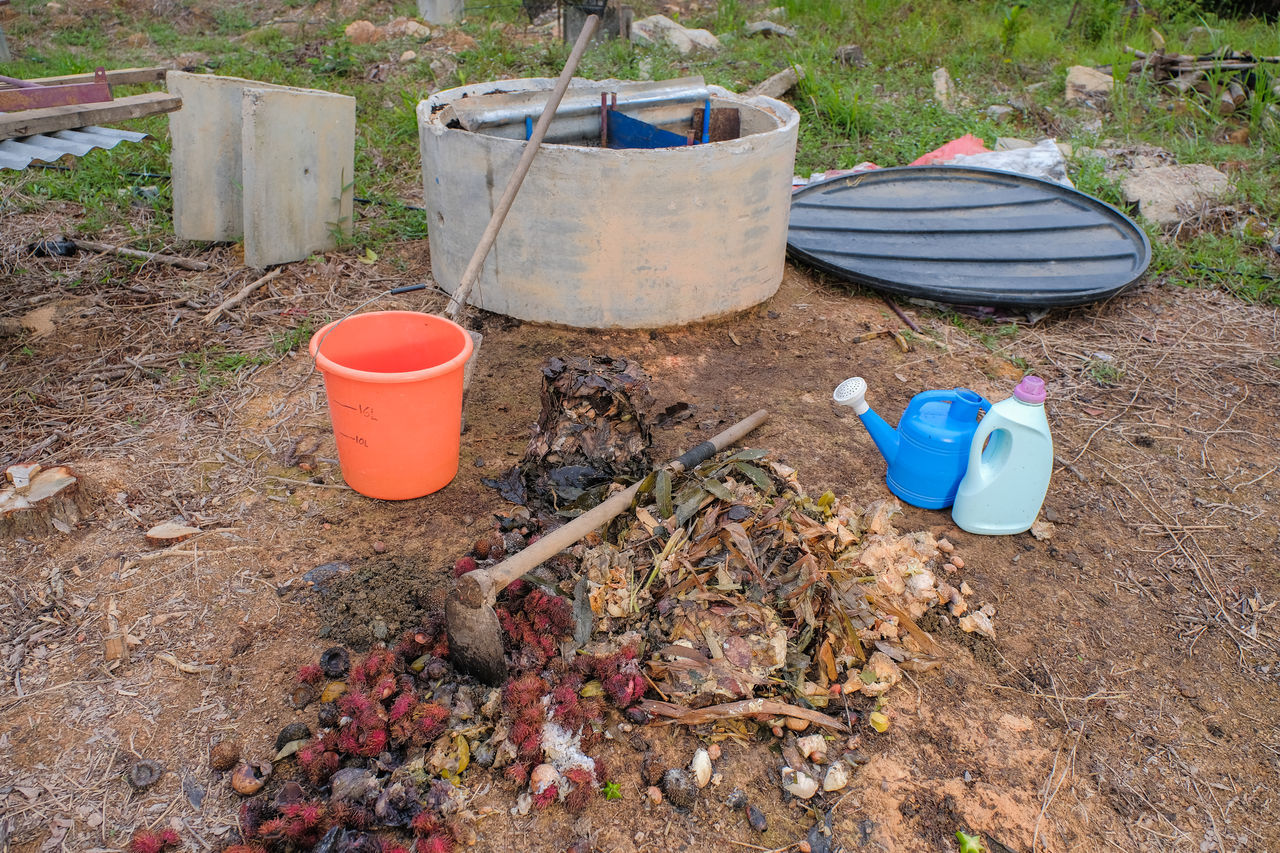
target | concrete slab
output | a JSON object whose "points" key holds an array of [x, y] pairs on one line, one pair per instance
{"points": [[206, 165], [440, 11], [271, 176], [299, 163]]}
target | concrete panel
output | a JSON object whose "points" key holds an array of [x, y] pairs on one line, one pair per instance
{"points": [[440, 11], [206, 165], [299, 163], [604, 238]]}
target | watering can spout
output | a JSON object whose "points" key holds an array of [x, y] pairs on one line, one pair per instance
{"points": [[853, 393]]}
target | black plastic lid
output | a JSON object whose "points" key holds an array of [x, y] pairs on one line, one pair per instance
{"points": [[967, 236]]}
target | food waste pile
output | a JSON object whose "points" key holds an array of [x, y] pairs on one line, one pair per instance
{"points": [[728, 598]]}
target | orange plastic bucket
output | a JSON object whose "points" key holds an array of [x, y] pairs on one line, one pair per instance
{"points": [[394, 383]]}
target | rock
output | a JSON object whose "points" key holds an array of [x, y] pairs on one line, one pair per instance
{"points": [[442, 69], [813, 748], [769, 28], [325, 572], [1051, 515], [713, 751], [756, 818], [406, 28], [363, 32], [798, 784], [1087, 85], [779, 84], [659, 29], [1009, 143], [700, 767], [837, 777], [796, 724], [407, 56], [379, 548], [998, 112], [654, 795], [1164, 193], [1042, 530], [851, 54], [737, 799], [944, 90], [679, 788]]}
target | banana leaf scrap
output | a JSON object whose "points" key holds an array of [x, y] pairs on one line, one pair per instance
{"points": [[745, 587], [593, 430]]}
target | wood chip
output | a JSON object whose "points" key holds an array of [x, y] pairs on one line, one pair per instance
{"points": [[170, 533]]}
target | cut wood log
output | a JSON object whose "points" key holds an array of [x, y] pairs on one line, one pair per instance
{"points": [[170, 533], [37, 500], [49, 119]]}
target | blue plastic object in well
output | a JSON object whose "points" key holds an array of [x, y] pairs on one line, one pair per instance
{"points": [[929, 451]]}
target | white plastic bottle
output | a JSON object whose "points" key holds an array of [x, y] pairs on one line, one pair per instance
{"points": [[1010, 462]]}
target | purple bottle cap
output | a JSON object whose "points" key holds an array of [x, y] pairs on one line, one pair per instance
{"points": [[1030, 390]]}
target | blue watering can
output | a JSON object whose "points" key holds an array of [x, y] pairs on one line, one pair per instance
{"points": [[929, 451]]}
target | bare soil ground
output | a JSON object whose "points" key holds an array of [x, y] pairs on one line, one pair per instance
{"points": [[1128, 703]]}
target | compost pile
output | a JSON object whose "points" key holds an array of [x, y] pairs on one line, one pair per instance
{"points": [[592, 431], [729, 594], [741, 585]]}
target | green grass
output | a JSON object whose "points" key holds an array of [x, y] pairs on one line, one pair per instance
{"points": [[884, 112]]}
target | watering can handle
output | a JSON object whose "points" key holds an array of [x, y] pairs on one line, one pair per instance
{"points": [[458, 300]]}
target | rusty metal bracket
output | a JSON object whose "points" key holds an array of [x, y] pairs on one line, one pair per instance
{"points": [[25, 95]]}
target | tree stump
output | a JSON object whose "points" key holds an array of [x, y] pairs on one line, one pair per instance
{"points": [[35, 500]]}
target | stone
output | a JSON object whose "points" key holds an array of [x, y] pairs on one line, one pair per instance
{"points": [[659, 29], [410, 56], [998, 112], [407, 28], [851, 54], [443, 68], [756, 818], [944, 90], [1166, 194], [769, 28], [779, 84], [1087, 85], [363, 32]]}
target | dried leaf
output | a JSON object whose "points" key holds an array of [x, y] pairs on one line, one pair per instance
{"points": [[760, 478], [662, 493], [719, 489]]}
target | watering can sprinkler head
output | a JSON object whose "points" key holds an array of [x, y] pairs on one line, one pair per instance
{"points": [[852, 393]]}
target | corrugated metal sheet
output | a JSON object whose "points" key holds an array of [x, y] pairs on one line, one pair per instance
{"points": [[49, 147]]}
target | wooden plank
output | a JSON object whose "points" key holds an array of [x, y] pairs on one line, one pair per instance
{"points": [[117, 77], [49, 119]]}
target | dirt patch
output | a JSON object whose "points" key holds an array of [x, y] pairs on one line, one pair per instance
{"points": [[375, 600]]}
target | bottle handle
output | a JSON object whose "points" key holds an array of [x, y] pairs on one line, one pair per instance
{"points": [[977, 469]]}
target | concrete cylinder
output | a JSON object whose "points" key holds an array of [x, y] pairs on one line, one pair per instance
{"points": [[440, 12], [603, 238]]}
